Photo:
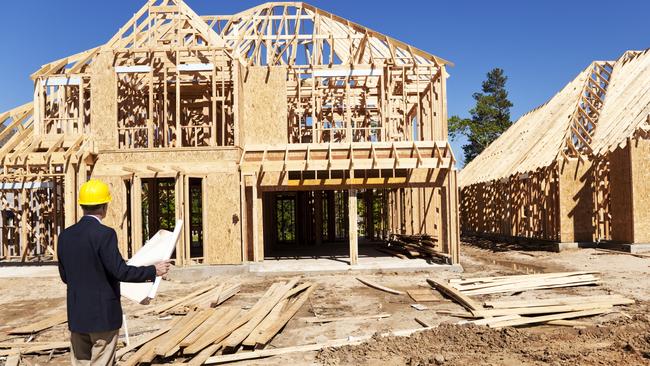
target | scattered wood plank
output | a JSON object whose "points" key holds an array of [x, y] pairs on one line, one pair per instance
{"points": [[41, 325], [506, 304], [463, 281], [456, 295], [423, 295], [196, 334], [609, 251], [486, 321], [34, 349], [158, 309], [122, 351], [203, 356], [231, 320], [306, 348], [262, 309], [267, 333], [379, 287], [170, 342], [422, 322], [569, 323], [345, 318], [547, 318], [544, 309], [278, 351], [13, 360]]}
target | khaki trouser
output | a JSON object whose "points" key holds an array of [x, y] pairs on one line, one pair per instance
{"points": [[94, 348]]}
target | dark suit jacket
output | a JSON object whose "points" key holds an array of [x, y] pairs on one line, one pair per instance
{"points": [[92, 267]]}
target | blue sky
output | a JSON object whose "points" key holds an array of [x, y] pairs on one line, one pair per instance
{"points": [[541, 45]]}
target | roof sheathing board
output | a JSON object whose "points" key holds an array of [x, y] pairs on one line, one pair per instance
{"points": [[627, 105], [532, 142]]}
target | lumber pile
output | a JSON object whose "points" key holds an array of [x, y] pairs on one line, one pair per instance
{"points": [[518, 283], [414, 246], [504, 313], [201, 332], [208, 295]]}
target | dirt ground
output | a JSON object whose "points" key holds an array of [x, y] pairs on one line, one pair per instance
{"points": [[618, 338]]}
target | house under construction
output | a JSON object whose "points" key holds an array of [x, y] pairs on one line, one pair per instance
{"points": [[574, 170], [274, 131]]}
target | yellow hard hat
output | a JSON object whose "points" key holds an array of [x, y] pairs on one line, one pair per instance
{"points": [[94, 192]]}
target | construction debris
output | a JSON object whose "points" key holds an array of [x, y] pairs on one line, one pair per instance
{"points": [[202, 332], [502, 313], [415, 246], [491, 285], [423, 295], [345, 318], [379, 287]]}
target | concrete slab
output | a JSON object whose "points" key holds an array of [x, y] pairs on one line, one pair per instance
{"points": [[636, 248], [29, 271], [332, 265]]}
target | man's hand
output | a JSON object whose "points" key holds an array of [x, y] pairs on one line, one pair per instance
{"points": [[162, 267]]}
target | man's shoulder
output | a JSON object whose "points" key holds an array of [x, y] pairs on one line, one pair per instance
{"points": [[86, 225]]}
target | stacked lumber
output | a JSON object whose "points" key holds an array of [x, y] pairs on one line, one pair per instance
{"points": [[504, 313], [414, 246], [209, 295], [202, 332], [518, 283]]}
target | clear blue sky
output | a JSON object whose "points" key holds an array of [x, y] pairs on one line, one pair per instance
{"points": [[541, 44]]}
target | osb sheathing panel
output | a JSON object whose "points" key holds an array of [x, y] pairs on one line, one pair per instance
{"points": [[264, 105], [223, 227], [576, 202], [641, 190], [103, 108], [621, 195], [116, 216], [190, 161]]}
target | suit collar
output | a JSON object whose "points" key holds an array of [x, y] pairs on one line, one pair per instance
{"points": [[92, 219]]}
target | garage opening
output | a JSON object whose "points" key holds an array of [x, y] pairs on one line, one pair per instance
{"points": [[313, 224]]}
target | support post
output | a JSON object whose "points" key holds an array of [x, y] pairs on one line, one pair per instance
{"points": [[318, 217], [352, 226], [136, 214], [180, 211], [450, 230]]}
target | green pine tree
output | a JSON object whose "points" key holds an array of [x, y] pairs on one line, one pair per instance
{"points": [[490, 116]]}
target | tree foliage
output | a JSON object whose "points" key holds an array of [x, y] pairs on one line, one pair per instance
{"points": [[490, 117]]}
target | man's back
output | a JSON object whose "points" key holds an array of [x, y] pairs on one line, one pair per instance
{"points": [[92, 267]]}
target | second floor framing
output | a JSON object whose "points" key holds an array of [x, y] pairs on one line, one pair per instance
{"points": [[170, 79]]}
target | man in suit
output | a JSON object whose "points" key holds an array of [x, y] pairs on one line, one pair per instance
{"points": [[92, 267]]}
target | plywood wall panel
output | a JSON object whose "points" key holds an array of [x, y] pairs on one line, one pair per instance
{"points": [[640, 153], [621, 195], [263, 106], [103, 106], [576, 202], [223, 225]]}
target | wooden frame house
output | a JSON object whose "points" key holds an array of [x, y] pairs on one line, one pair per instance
{"points": [[563, 172], [279, 128]]}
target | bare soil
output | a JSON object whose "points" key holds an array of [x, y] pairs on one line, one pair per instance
{"points": [[619, 338]]}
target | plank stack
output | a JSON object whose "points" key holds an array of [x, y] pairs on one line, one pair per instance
{"points": [[203, 332], [414, 246], [518, 283], [502, 313]]}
